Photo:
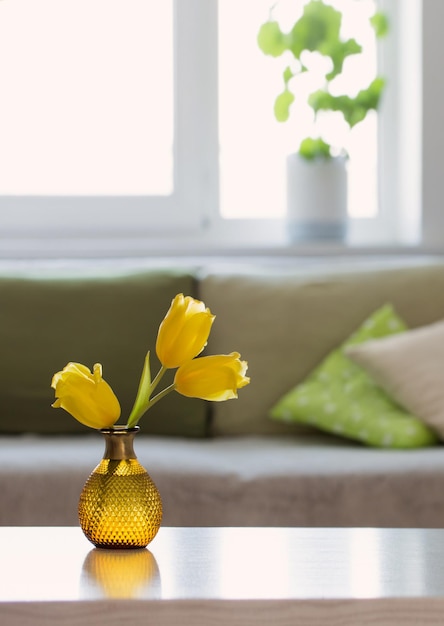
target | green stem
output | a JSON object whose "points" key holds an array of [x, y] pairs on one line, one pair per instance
{"points": [[136, 415], [157, 378], [132, 420], [162, 394]]}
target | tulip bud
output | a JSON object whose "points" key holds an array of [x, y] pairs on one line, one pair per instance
{"points": [[183, 334], [86, 396]]}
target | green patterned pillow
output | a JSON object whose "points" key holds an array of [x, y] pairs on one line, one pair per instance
{"points": [[340, 398]]}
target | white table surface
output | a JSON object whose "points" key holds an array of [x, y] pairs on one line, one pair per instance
{"points": [[220, 576]]}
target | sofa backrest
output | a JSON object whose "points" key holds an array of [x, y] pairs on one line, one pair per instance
{"points": [[108, 318], [285, 324], [282, 323]]}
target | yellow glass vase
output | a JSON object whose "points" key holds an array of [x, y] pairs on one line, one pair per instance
{"points": [[120, 506]]}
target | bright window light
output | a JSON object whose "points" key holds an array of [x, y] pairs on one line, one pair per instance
{"points": [[86, 97]]}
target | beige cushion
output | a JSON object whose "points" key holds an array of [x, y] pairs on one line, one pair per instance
{"points": [[409, 367], [284, 325]]}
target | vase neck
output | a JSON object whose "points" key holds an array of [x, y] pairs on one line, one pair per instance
{"points": [[119, 442]]}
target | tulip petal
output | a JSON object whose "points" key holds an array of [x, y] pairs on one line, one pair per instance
{"points": [[215, 378], [184, 331]]}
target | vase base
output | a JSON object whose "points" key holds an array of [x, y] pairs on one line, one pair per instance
{"points": [[115, 546], [303, 231]]}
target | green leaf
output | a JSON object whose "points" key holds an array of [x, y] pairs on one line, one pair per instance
{"points": [[338, 52], [319, 23], [311, 149], [288, 75], [371, 96], [319, 29], [380, 23], [142, 400], [322, 100], [271, 39], [355, 109], [282, 105]]}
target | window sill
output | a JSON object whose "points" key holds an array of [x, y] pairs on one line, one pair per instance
{"points": [[124, 254], [220, 240]]}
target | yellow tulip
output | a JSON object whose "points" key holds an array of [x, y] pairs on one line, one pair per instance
{"points": [[215, 378], [183, 333], [86, 396]]}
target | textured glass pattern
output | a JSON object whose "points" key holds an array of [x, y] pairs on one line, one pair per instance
{"points": [[120, 506]]}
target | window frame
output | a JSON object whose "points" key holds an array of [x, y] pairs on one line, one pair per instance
{"points": [[188, 221]]}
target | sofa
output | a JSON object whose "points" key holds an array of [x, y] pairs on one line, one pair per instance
{"points": [[223, 463]]}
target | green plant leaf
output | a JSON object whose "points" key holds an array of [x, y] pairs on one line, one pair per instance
{"points": [[282, 105], [319, 23], [380, 23], [271, 39], [371, 96], [142, 400], [288, 75], [311, 149], [319, 30], [338, 52], [355, 109], [322, 100]]}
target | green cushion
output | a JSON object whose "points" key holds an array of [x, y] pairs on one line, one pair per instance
{"points": [[340, 398], [45, 323]]}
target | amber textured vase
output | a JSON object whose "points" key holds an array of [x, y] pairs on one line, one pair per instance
{"points": [[120, 506]]}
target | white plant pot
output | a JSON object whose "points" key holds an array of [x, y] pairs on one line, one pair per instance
{"points": [[316, 199]]}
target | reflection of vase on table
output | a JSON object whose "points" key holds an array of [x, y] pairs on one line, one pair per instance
{"points": [[121, 573]]}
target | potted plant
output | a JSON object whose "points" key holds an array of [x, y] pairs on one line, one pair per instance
{"points": [[317, 173]]}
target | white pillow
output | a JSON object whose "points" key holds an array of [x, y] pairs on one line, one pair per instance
{"points": [[409, 366]]}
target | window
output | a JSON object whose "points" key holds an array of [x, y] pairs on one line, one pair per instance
{"points": [[94, 99], [83, 113], [153, 121]]}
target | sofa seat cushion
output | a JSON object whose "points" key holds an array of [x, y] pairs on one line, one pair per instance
{"points": [[315, 480]]}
